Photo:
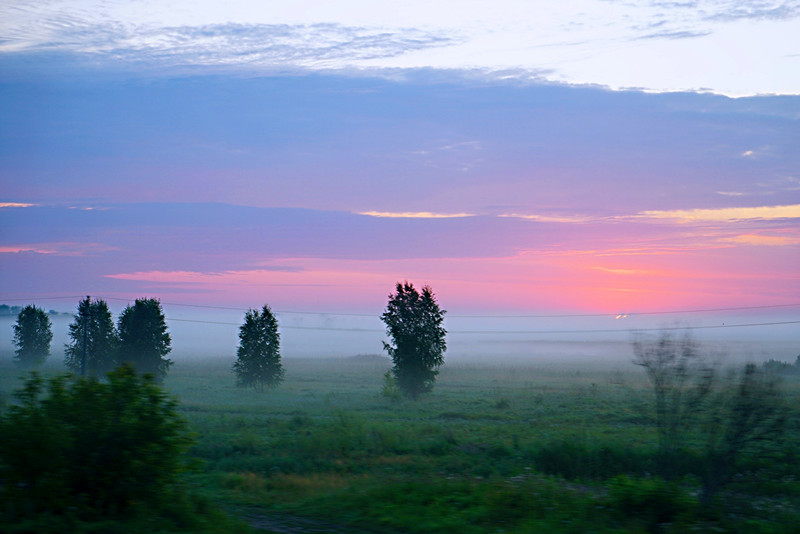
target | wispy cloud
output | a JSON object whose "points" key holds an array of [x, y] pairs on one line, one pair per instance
{"points": [[675, 34], [764, 240], [753, 9], [15, 249], [450, 147], [415, 214], [726, 214], [58, 249], [549, 218], [264, 45], [205, 277], [622, 271], [15, 205]]}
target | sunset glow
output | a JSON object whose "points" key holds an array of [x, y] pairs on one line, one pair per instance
{"points": [[314, 158]]}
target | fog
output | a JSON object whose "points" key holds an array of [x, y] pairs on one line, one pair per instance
{"points": [[214, 333]]}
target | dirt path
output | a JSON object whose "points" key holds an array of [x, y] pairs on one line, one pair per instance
{"points": [[289, 524]]}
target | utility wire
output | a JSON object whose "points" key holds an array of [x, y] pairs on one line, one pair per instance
{"points": [[523, 316], [478, 332], [515, 332], [44, 298]]}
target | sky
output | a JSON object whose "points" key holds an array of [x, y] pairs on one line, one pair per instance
{"points": [[586, 157]]}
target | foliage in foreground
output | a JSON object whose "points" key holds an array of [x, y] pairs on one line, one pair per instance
{"points": [[742, 417], [82, 454]]}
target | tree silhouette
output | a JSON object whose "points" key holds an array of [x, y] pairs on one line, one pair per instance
{"points": [[143, 338], [258, 362], [94, 339], [32, 336], [414, 323]]}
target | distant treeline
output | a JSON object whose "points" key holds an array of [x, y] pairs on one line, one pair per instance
{"points": [[784, 368], [13, 311]]}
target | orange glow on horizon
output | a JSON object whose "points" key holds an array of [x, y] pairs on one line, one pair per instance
{"points": [[585, 281]]}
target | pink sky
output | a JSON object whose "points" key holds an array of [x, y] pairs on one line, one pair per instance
{"points": [[319, 192]]}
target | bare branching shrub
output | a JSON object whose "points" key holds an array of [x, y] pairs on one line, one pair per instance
{"points": [[682, 381], [735, 419], [748, 420]]}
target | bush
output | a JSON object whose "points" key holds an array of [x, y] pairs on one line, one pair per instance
{"points": [[88, 448], [652, 501], [579, 459], [390, 389]]}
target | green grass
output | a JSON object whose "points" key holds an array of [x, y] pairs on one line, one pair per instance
{"points": [[508, 447]]}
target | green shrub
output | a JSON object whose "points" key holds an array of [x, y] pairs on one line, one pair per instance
{"points": [[575, 458], [390, 389], [88, 448], [651, 501]]}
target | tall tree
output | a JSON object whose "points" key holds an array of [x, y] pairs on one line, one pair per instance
{"points": [[94, 343], [143, 338], [32, 336], [258, 358], [414, 324]]}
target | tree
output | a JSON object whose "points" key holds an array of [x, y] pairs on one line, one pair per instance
{"points": [[736, 420], [32, 336], [747, 420], [258, 358], [143, 338], [78, 446], [414, 324], [681, 381], [94, 339]]}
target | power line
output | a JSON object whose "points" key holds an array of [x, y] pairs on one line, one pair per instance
{"points": [[519, 316], [44, 298], [474, 332], [629, 314], [514, 332]]}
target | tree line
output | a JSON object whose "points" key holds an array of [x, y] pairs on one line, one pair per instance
{"points": [[97, 345], [414, 324]]}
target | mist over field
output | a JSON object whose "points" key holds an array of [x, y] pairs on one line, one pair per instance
{"points": [[214, 334]]}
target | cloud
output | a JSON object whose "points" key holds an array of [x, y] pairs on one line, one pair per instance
{"points": [[676, 34], [225, 45], [763, 240], [200, 277], [15, 205], [58, 249], [726, 214], [15, 249], [451, 147], [549, 218], [622, 271], [754, 9], [414, 214]]}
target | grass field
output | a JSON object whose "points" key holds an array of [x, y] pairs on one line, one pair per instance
{"points": [[500, 447]]}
